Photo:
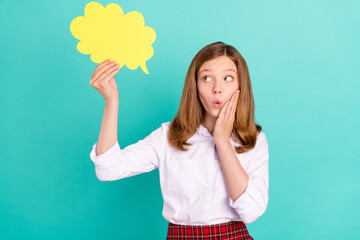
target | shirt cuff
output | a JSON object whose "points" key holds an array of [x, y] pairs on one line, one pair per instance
{"points": [[249, 199], [108, 159]]}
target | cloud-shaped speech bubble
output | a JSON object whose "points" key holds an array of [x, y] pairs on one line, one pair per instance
{"points": [[106, 33]]}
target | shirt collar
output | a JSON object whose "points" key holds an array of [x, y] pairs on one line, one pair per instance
{"points": [[203, 130]]}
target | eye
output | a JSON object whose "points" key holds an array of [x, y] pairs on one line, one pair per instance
{"points": [[205, 77], [229, 76]]}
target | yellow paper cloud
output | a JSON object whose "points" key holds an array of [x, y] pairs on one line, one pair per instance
{"points": [[106, 33]]}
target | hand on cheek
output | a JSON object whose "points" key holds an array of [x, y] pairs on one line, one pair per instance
{"points": [[225, 121]]}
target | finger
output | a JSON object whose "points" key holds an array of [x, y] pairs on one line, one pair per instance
{"points": [[225, 108], [106, 76], [104, 73], [100, 76], [232, 105], [222, 110], [231, 100], [103, 68], [107, 61], [99, 69], [100, 66], [111, 75], [235, 103], [103, 63], [107, 79]]}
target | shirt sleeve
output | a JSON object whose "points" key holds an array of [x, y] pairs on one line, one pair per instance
{"points": [[140, 157], [253, 202]]}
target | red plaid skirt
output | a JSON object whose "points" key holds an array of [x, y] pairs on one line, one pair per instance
{"points": [[233, 230]]}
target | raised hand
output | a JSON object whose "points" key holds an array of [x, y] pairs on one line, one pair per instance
{"points": [[103, 80], [225, 121]]}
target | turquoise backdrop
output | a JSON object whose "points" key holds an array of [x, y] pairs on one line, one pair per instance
{"points": [[303, 58]]}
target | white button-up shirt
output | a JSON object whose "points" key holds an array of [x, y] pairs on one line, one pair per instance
{"points": [[192, 183]]}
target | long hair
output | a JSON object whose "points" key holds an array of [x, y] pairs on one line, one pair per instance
{"points": [[191, 112]]}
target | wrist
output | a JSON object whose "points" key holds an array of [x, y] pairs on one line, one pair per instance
{"points": [[112, 101], [221, 141]]}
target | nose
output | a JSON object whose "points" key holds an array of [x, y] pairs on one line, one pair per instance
{"points": [[216, 87], [216, 90]]}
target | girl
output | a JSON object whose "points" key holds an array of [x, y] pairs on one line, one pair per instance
{"points": [[212, 157]]}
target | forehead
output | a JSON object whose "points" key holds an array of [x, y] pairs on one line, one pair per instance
{"points": [[222, 63]]}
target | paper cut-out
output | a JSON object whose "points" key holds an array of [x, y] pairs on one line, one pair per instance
{"points": [[106, 33]]}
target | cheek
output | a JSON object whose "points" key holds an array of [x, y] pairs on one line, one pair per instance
{"points": [[201, 94], [202, 99], [204, 95]]}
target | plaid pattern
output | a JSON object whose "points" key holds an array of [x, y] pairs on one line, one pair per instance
{"points": [[234, 230]]}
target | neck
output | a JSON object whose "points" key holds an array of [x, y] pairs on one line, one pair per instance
{"points": [[209, 123]]}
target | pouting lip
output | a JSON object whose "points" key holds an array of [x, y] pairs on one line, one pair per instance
{"points": [[217, 101]]}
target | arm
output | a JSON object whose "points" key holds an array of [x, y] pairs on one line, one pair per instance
{"points": [[140, 157], [108, 129], [248, 191], [236, 178]]}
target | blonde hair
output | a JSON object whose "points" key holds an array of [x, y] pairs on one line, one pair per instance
{"points": [[191, 112]]}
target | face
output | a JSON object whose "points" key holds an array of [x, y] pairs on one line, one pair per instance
{"points": [[217, 80]]}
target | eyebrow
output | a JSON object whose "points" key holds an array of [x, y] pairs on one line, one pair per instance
{"points": [[210, 70]]}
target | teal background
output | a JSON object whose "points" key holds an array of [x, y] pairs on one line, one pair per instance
{"points": [[303, 58]]}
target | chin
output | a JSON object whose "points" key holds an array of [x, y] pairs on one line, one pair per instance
{"points": [[215, 113]]}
